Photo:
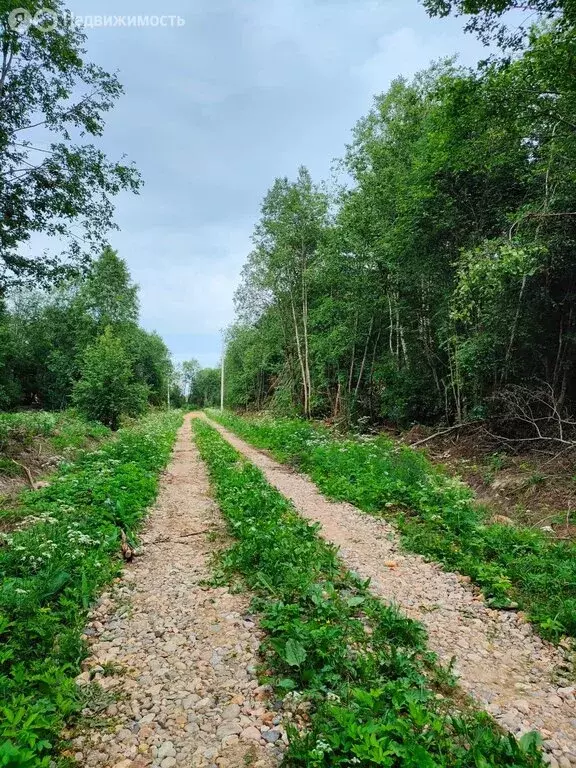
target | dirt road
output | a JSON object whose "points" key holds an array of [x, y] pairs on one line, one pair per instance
{"points": [[501, 662]]}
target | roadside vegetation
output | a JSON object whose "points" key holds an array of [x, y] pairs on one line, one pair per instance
{"points": [[436, 515], [65, 550], [37, 432], [32, 446], [434, 281], [377, 696]]}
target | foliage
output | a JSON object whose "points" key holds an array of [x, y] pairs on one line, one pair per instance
{"points": [[362, 665], [190, 370], [52, 96], [64, 431], [48, 333], [486, 15], [50, 572], [280, 269], [106, 388], [439, 270], [206, 388], [436, 515]]}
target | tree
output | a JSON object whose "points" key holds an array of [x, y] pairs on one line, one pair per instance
{"points": [[444, 275], [206, 393], [280, 269], [10, 390], [51, 180], [108, 293], [107, 389], [151, 363], [189, 375]]}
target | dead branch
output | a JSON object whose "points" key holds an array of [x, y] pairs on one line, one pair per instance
{"points": [[27, 472], [443, 432], [535, 416]]}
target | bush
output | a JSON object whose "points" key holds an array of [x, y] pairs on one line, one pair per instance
{"points": [[106, 389]]}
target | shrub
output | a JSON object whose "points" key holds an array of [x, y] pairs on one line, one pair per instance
{"points": [[106, 389]]}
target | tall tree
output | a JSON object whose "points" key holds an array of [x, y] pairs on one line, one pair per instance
{"points": [[280, 270], [447, 273], [108, 293], [190, 371], [53, 181]]}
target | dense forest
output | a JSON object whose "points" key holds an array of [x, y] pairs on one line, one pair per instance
{"points": [[434, 278], [80, 343]]}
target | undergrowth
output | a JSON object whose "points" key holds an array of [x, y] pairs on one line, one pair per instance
{"points": [[63, 431], [436, 515], [33, 443], [51, 570], [378, 697]]}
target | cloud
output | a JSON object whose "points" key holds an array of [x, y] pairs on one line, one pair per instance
{"points": [[405, 52]]}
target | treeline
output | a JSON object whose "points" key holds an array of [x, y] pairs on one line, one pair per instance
{"points": [[69, 332], [80, 344], [436, 281], [200, 387]]}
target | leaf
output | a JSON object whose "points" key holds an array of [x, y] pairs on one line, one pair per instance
{"points": [[294, 653], [530, 741], [55, 585], [355, 601]]}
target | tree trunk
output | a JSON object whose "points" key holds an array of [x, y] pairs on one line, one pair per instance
{"points": [[300, 358], [514, 331], [364, 358], [306, 348], [353, 358]]}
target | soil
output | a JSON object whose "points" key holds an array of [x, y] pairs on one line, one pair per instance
{"points": [[530, 488]]}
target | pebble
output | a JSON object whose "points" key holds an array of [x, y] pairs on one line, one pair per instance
{"points": [[251, 734], [271, 736]]}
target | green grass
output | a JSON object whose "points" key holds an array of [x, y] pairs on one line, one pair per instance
{"points": [[436, 515], [378, 697], [29, 438], [51, 571], [64, 431]]}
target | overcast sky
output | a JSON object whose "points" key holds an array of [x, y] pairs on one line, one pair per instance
{"points": [[245, 91]]}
